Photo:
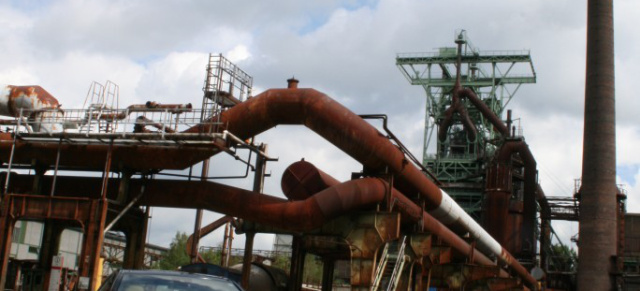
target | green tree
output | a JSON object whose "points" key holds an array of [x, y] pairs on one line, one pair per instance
{"points": [[312, 273], [177, 254], [563, 258], [210, 256]]}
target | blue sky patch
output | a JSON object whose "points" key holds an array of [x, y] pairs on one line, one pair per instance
{"points": [[627, 173]]}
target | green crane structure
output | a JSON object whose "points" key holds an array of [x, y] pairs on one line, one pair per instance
{"points": [[460, 158]]}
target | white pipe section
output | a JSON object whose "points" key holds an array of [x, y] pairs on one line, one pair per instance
{"points": [[450, 213]]}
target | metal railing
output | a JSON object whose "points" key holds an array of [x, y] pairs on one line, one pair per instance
{"points": [[160, 123], [445, 53]]}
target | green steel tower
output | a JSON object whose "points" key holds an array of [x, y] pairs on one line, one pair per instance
{"points": [[466, 142]]}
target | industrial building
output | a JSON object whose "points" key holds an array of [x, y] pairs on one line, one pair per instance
{"points": [[469, 215]]}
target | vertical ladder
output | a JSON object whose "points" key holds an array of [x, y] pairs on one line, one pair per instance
{"points": [[225, 86], [212, 87], [391, 265], [101, 98]]}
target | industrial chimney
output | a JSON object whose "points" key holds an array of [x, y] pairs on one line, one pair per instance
{"points": [[598, 202]]}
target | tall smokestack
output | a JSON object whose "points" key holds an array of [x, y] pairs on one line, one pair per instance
{"points": [[598, 201]]}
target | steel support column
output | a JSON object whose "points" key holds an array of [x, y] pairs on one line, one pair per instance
{"points": [[49, 247], [89, 261], [328, 266], [7, 223], [298, 255], [246, 259]]}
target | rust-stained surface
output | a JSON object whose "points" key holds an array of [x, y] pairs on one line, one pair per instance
{"points": [[302, 179], [27, 98], [330, 120], [92, 156], [409, 210], [316, 200]]}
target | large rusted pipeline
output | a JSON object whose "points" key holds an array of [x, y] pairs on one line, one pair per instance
{"points": [[459, 92], [457, 106], [485, 110], [302, 179], [498, 197], [355, 137], [297, 215], [303, 215]]}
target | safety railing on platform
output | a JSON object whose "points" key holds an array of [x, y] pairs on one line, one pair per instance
{"points": [[150, 121]]}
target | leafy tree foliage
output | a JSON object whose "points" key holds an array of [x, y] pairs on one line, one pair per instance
{"points": [[563, 258], [177, 254]]}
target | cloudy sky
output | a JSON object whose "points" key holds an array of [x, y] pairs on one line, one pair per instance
{"points": [[157, 50]]}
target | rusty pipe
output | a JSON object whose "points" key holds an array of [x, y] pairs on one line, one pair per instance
{"points": [[326, 204], [302, 179], [150, 106], [485, 110], [305, 178], [355, 137], [304, 215], [457, 106], [510, 147]]}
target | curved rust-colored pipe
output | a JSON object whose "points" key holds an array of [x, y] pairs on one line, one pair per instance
{"points": [[303, 215], [330, 120], [207, 230], [309, 178], [500, 196], [485, 110], [355, 137], [457, 106]]}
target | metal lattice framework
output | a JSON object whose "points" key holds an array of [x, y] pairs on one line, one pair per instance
{"points": [[495, 76]]}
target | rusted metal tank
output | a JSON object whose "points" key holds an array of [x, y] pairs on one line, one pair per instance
{"points": [[26, 101]]}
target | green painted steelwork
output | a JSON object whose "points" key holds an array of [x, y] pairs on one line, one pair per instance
{"points": [[495, 76]]}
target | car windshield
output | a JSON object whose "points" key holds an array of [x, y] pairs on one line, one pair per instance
{"points": [[173, 282]]}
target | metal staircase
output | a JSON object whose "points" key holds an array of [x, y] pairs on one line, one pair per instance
{"points": [[391, 265], [225, 86]]}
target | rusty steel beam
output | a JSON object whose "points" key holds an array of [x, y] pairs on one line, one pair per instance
{"points": [[598, 203], [207, 229], [89, 156]]}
